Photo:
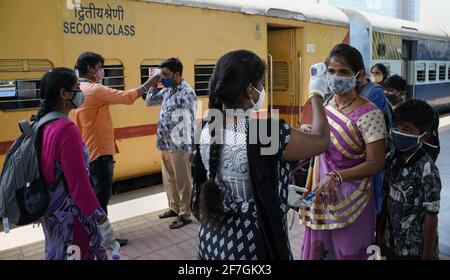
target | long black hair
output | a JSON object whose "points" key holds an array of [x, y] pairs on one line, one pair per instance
{"points": [[233, 73], [51, 85]]}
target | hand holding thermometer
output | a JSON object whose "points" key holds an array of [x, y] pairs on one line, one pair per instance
{"points": [[318, 81]]}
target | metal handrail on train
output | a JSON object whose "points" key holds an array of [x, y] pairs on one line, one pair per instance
{"points": [[271, 82], [299, 87]]}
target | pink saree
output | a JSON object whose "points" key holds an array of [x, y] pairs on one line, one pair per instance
{"points": [[344, 230]]}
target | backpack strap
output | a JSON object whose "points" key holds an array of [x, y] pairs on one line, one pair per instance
{"points": [[25, 128]]}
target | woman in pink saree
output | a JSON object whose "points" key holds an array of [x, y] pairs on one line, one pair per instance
{"points": [[340, 225]]}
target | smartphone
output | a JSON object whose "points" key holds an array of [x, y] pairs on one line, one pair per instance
{"points": [[309, 199]]}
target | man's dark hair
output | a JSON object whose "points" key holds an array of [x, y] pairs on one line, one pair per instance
{"points": [[173, 64], [395, 82], [417, 112], [88, 59]]}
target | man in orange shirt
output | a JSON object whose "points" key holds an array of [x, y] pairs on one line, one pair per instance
{"points": [[95, 123]]}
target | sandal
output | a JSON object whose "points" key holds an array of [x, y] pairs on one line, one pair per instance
{"points": [[179, 222], [168, 214]]}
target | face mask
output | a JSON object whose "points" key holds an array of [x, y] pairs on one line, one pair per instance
{"points": [[262, 94], [168, 83], [341, 85], [378, 79], [77, 99], [404, 142], [99, 75], [394, 98]]}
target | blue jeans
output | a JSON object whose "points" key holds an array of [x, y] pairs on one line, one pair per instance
{"points": [[102, 170]]}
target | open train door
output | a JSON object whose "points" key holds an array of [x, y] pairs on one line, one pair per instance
{"points": [[408, 70], [285, 73]]}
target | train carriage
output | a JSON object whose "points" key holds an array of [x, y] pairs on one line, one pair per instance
{"points": [[135, 35], [418, 52]]}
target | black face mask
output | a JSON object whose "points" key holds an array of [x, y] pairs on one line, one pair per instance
{"points": [[394, 98], [404, 142]]}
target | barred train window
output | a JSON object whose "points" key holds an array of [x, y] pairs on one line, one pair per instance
{"points": [[442, 72], [432, 72], [448, 71], [203, 73], [114, 77], [19, 94], [381, 49], [421, 74], [22, 92]]}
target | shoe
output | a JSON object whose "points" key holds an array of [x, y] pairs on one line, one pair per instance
{"points": [[168, 214], [179, 222], [122, 241]]}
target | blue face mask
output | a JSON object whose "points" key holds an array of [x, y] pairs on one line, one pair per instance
{"points": [[404, 142], [168, 83]]}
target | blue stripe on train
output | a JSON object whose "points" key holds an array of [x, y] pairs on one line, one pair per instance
{"points": [[432, 50], [437, 95]]}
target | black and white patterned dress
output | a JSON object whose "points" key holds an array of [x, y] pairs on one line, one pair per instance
{"points": [[236, 240]]}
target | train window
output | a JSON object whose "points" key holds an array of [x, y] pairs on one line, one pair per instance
{"points": [[280, 76], [381, 49], [25, 65], [203, 73], [448, 71], [442, 72], [19, 94], [114, 77], [421, 73], [432, 72]]}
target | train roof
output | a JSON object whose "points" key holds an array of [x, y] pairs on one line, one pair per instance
{"points": [[289, 9], [446, 30], [398, 26]]}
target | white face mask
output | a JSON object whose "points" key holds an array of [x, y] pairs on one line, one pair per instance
{"points": [[262, 94]]}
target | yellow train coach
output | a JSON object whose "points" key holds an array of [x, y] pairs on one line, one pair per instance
{"points": [[135, 35]]}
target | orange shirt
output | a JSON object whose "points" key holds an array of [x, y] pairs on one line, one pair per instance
{"points": [[94, 118]]}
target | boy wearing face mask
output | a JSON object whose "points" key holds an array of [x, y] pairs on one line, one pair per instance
{"points": [[412, 187], [177, 147], [94, 120], [395, 90]]}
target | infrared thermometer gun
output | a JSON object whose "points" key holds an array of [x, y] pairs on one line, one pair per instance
{"points": [[318, 70], [318, 81], [154, 71]]}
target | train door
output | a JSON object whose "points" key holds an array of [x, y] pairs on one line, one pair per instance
{"points": [[408, 67], [284, 69]]}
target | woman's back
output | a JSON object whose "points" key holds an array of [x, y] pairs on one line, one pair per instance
{"points": [[239, 232]]}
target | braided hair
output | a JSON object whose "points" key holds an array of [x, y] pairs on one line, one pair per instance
{"points": [[51, 85], [233, 73]]}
